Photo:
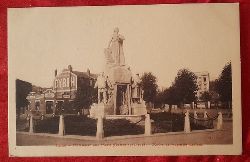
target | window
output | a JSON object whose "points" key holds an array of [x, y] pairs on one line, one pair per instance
{"points": [[56, 84], [205, 79], [67, 82], [37, 105], [64, 82], [72, 81]]}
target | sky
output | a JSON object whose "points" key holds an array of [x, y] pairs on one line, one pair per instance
{"points": [[160, 39]]}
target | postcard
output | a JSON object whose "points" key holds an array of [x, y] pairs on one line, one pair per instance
{"points": [[124, 80]]}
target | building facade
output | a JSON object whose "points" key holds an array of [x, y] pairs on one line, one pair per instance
{"points": [[63, 91], [202, 82], [66, 83]]}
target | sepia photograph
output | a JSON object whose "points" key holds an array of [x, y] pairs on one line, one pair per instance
{"points": [[124, 80]]}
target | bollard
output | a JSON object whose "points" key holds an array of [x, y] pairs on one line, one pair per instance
{"points": [[205, 114], [42, 117], [31, 125], [195, 116], [99, 128], [208, 104], [219, 121], [187, 128], [78, 113], [147, 125], [192, 105], [53, 115], [61, 131], [28, 117]]}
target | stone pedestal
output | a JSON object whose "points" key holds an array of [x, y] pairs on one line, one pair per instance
{"points": [[61, 131], [99, 128], [187, 128], [97, 110], [205, 115], [192, 105], [139, 108], [219, 121], [147, 125], [195, 116], [31, 130], [208, 104]]}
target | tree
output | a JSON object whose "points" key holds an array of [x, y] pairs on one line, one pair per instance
{"points": [[149, 87], [213, 93], [184, 87], [170, 97], [205, 96], [224, 85], [159, 99], [67, 107], [22, 90], [85, 95]]}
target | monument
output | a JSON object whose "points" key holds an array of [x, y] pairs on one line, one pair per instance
{"points": [[119, 92]]}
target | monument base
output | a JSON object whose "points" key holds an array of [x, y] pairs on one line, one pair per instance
{"points": [[101, 109], [96, 110], [139, 108]]}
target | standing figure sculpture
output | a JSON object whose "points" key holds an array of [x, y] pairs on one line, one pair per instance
{"points": [[136, 89], [102, 89], [116, 48], [109, 89]]}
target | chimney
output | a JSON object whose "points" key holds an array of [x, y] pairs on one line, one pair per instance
{"points": [[70, 68], [88, 72], [55, 72]]}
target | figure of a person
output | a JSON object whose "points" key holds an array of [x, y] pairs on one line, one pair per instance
{"points": [[136, 87], [109, 88], [101, 85], [116, 47]]}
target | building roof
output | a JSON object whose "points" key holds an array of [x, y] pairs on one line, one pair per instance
{"points": [[84, 74], [201, 73]]}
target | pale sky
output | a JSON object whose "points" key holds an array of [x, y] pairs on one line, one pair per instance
{"points": [[160, 39]]}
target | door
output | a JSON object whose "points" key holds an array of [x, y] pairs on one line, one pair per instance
{"points": [[121, 100], [49, 107]]}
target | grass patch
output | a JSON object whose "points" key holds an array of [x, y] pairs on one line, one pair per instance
{"points": [[167, 122], [80, 125], [200, 124], [118, 127], [47, 125], [174, 122], [74, 125]]}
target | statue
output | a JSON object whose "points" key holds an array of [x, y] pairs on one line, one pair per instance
{"points": [[101, 85], [118, 93], [116, 48], [136, 90], [109, 89]]}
